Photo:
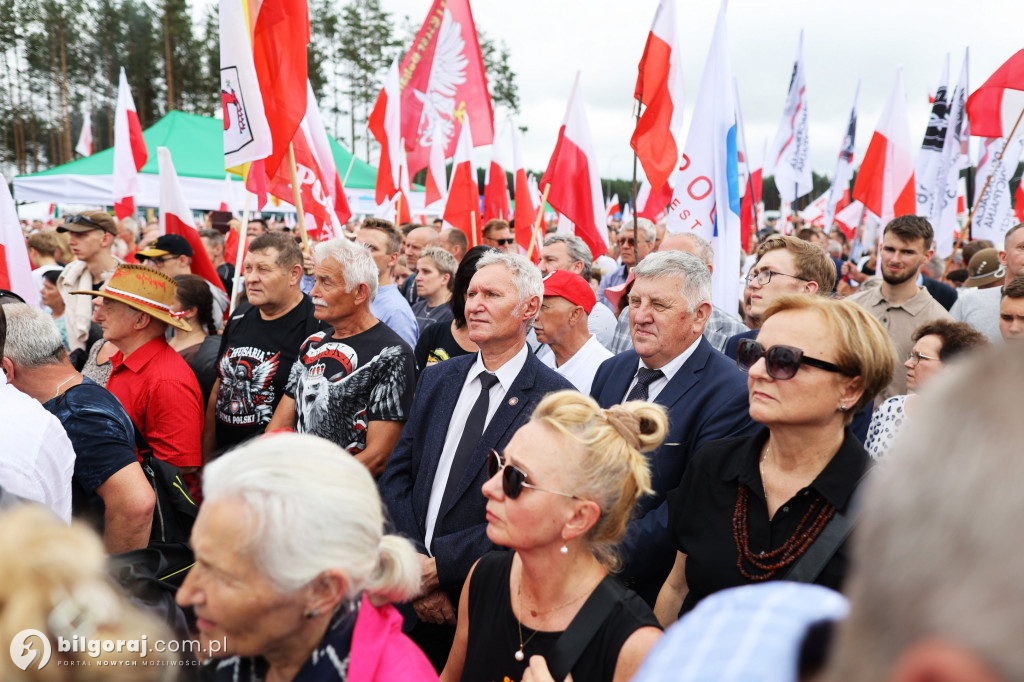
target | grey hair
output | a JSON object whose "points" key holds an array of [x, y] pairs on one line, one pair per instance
{"points": [[934, 555], [578, 251], [525, 276], [695, 276], [702, 246], [356, 263], [445, 262], [313, 508], [33, 339], [643, 226]]}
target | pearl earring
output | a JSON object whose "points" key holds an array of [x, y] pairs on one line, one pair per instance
{"points": [[564, 549]]}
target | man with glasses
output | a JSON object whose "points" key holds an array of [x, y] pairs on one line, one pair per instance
{"points": [[631, 251], [899, 303], [463, 408], [785, 265], [90, 235], [673, 365], [172, 255], [498, 233]]}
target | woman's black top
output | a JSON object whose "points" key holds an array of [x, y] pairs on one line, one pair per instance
{"points": [[494, 631], [702, 508], [437, 344]]}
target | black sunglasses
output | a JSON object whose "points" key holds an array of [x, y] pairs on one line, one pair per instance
{"points": [[82, 220], [513, 479], [630, 241], [504, 242], [782, 362]]}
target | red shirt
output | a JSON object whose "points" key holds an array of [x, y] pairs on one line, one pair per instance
{"points": [[160, 393]]}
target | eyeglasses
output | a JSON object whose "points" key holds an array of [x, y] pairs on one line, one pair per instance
{"points": [[913, 357], [782, 362], [513, 480], [503, 242], [82, 220], [158, 260], [765, 276], [630, 241]]}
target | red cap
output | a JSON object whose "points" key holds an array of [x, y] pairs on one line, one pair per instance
{"points": [[571, 287]]}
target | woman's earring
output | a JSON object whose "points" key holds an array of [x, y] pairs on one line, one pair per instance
{"points": [[843, 408], [564, 549], [310, 615]]}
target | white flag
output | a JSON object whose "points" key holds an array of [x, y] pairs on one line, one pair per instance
{"points": [[789, 157], [246, 131], [844, 165], [944, 207], [993, 211], [84, 146]]}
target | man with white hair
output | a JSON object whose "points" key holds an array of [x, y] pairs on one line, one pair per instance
{"points": [[109, 487], [463, 408], [936, 589], [352, 384], [631, 252], [673, 365]]}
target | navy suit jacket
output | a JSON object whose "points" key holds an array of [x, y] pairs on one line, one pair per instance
{"points": [[460, 532], [706, 400]]}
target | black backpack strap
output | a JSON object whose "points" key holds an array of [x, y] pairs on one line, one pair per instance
{"points": [[809, 566], [584, 626]]}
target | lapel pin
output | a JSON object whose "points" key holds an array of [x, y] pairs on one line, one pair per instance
{"points": [[513, 401]]}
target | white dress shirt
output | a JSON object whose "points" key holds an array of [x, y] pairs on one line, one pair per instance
{"points": [[506, 374], [38, 459], [582, 366], [668, 370]]}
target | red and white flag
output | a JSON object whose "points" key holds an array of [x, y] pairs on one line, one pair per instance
{"points": [[333, 188], [436, 185], [611, 208], [993, 212], [247, 134], [814, 213], [84, 146], [885, 182], [463, 208], [996, 107], [15, 266], [443, 82], [526, 211], [706, 199], [280, 36], [385, 123], [130, 153], [790, 151], [848, 219], [176, 218], [653, 204], [1018, 202], [404, 215], [659, 87], [844, 165], [312, 184], [572, 174], [496, 199]]}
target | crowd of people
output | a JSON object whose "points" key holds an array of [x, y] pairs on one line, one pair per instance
{"points": [[412, 456]]}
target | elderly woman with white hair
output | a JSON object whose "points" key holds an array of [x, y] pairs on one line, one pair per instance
{"points": [[294, 571]]}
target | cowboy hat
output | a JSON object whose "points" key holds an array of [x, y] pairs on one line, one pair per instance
{"points": [[144, 289]]}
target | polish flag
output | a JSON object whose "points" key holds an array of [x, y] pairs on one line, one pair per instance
{"points": [[227, 195], [84, 146], [790, 151], [385, 123], [312, 184], [130, 153], [653, 204], [848, 219], [572, 175], [463, 208], [659, 86], [1018, 202], [496, 199], [526, 211], [844, 165], [885, 183], [404, 214], [997, 107], [279, 40], [961, 198], [610, 209], [325, 160], [247, 135], [437, 182], [176, 218], [15, 266]]}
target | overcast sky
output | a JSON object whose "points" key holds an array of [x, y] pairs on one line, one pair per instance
{"points": [[844, 41]]}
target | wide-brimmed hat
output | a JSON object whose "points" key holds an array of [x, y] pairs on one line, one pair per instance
{"points": [[144, 289], [985, 269]]}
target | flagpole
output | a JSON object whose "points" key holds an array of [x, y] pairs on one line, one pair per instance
{"points": [[995, 167], [297, 198], [351, 163], [536, 224], [398, 209], [472, 225], [240, 253], [636, 212]]}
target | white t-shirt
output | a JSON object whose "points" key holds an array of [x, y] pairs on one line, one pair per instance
{"points": [[581, 367], [38, 459]]}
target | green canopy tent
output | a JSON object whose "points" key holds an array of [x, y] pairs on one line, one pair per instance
{"points": [[196, 144]]}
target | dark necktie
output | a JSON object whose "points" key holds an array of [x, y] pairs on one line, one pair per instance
{"points": [[644, 378], [470, 438]]}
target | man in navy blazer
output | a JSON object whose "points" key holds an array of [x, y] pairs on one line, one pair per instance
{"points": [[449, 527], [704, 393]]}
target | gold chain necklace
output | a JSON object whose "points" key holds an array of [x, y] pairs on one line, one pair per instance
{"points": [[61, 385], [519, 655]]}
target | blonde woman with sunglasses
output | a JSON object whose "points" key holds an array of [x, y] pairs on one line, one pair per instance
{"points": [[560, 497], [753, 509]]}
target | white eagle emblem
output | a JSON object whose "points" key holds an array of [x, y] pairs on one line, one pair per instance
{"points": [[447, 73]]}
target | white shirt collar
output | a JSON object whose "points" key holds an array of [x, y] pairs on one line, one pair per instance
{"points": [[670, 368], [507, 373]]}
